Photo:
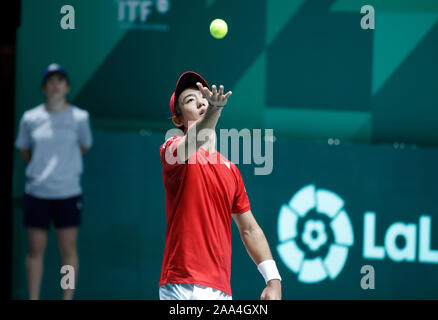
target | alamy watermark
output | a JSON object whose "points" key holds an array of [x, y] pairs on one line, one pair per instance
{"points": [[368, 280], [253, 144], [68, 20], [68, 280], [368, 20]]}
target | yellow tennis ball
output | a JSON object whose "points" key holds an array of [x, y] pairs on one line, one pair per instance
{"points": [[218, 28]]}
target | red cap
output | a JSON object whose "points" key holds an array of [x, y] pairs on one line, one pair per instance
{"points": [[186, 80]]}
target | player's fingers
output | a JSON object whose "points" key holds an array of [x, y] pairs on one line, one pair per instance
{"points": [[227, 94], [209, 94], [206, 93], [214, 90], [221, 90], [201, 88]]}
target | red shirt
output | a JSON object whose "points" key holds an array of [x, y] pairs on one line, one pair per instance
{"points": [[200, 199]]}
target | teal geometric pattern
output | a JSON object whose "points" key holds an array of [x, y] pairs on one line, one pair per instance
{"points": [[400, 26], [303, 68]]}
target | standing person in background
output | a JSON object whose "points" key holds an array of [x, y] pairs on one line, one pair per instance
{"points": [[52, 138]]}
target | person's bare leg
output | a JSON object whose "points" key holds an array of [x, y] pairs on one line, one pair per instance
{"points": [[37, 239], [67, 238]]}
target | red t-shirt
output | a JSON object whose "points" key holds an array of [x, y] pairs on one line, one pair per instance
{"points": [[200, 198]]}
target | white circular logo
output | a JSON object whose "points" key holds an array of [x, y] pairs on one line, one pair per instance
{"points": [[315, 234]]}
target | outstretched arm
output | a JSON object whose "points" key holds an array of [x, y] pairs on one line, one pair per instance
{"points": [[216, 101], [258, 249]]}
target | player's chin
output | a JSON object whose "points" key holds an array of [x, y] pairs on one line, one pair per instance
{"points": [[195, 118], [57, 93], [200, 116]]}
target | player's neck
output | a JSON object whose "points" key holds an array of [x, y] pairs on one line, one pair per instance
{"points": [[56, 105]]}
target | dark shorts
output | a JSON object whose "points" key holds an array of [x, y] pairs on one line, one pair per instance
{"points": [[38, 213]]}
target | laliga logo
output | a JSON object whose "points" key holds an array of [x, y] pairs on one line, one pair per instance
{"points": [[326, 234], [315, 234]]}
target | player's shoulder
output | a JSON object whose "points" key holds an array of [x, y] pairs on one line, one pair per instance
{"points": [[34, 113], [78, 113], [230, 164], [170, 141], [235, 169], [169, 145]]}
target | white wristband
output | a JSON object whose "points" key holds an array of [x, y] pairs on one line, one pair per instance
{"points": [[269, 270]]}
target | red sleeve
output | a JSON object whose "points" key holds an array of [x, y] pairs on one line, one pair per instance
{"points": [[168, 153], [241, 201]]}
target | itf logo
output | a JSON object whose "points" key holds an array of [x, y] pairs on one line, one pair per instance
{"points": [[315, 234], [135, 14]]}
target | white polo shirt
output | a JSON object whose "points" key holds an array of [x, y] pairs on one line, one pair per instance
{"points": [[54, 139]]}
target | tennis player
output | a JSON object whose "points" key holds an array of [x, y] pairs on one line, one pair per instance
{"points": [[51, 139], [204, 191]]}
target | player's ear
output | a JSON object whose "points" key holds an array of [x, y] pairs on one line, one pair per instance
{"points": [[177, 121]]}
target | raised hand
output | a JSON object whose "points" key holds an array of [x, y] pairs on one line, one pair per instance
{"points": [[214, 97]]}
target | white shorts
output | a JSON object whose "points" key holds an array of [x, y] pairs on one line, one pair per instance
{"points": [[189, 291]]}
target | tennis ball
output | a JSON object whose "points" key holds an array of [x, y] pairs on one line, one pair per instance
{"points": [[218, 28]]}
